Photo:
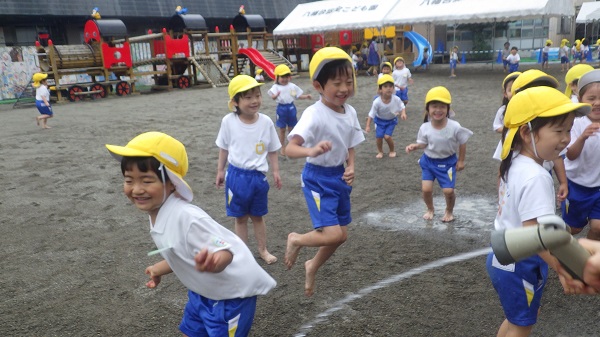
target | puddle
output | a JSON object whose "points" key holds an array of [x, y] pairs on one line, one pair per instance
{"points": [[473, 216]]}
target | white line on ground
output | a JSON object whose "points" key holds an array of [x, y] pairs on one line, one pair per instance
{"points": [[339, 305]]}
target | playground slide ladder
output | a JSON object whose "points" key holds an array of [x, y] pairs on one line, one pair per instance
{"points": [[273, 56], [242, 62], [210, 69]]}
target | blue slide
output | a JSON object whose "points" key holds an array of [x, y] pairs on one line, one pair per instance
{"points": [[421, 43]]}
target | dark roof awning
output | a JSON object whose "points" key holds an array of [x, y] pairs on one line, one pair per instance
{"points": [[253, 21], [111, 28], [181, 22]]}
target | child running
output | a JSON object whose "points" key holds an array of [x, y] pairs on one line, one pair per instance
{"points": [[441, 138], [42, 99], [284, 93], [384, 112], [513, 60], [402, 78], [222, 290], [326, 135], [572, 78], [245, 140], [583, 155], [537, 124]]}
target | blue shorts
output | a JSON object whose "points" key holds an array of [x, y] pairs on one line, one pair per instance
{"points": [[564, 59], [577, 56], [444, 170], [42, 108], [544, 57], [206, 317], [505, 63], [246, 192], [424, 62], [513, 67], [385, 126], [403, 94], [286, 115], [453, 64], [520, 291], [582, 205], [327, 195]]}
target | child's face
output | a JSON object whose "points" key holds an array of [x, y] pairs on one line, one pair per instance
{"points": [[399, 64], [513, 51], [438, 111], [145, 189], [551, 139], [386, 70], [249, 102], [337, 90], [592, 96], [284, 80], [574, 88], [508, 90], [387, 90]]}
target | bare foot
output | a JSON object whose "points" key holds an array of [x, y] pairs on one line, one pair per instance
{"points": [[448, 217], [291, 251], [47, 127], [379, 155], [392, 155], [309, 283], [428, 215], [268, 258]]}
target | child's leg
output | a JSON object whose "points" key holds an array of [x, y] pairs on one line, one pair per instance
{"points": [[260, 233], [390, 142], [594, 233], [311, 266], [427, 188], [450, 200], [282, 140], [325, 236], [241, 227], [379, 142], [507, 329]]}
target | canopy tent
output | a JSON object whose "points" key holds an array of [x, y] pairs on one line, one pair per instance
{"points": [[321, 16], [589, 12]]}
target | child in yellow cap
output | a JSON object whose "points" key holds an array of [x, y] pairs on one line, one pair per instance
{"points": [[42, 99], [537, 124], [326, 135], [545, 54], [441, 138], [284, 92], [246, 139], [222, 290], [260, 78], [582, 207], [402, 78], [563, 53], [385, 111], [572, 78]]}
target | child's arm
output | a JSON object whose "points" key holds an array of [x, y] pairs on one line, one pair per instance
{"points": [[214, 262], [274, 160], [221, 167], [462, 153], [561, 175], [415, 146], [349, 171], [274, 96], [402, 114], [410, 81], [46, 103], [305, 96], [155, 272], [294, 149], [368, 126], [575, 149]]}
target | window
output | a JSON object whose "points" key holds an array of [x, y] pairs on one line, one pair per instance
{"points": [[565, 25], [514, 33], [26, 36]]}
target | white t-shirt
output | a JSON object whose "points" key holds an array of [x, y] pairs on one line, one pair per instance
{"points": [[355, 59], [401, 77], [584, 170], [453, 56], [387, 111], [564, 51], [288, 93], [513, 59], [259, 78], [574, 99], [319, 123], [546, 49], [527, 194], [42, 91], [248, 144], [445, 142], [185, 229], [499, 119]]}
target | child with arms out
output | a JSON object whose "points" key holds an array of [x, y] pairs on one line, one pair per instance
{"points": [[246, 140], [384, 112], [221, 275], [326, 135], [42, 99], [284, 93], [582, 207], [537, 124], [441, 138]]}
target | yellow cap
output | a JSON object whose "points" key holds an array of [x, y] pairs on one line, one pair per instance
{"points": [[440, 94], [575, 73], [510, 77], [37, 78], [259, 71], [535, 102], [386, 64], [530, 76], [324, 56], [240, 83], [548, 41], [282, 70], [399, 58], [385, 78], [167, 150]]}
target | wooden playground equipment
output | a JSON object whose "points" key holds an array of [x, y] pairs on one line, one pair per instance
{"points": [[106, 60]]}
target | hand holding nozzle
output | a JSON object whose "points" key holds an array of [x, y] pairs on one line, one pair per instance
{"points": [[551, 234]]}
